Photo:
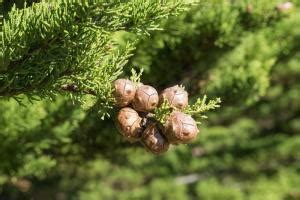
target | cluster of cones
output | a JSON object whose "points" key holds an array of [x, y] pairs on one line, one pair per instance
{"points": [[135, 119]]}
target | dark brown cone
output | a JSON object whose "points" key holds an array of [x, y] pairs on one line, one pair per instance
{"points": [[146, 99], [176, 96], [180, 128], [153, 140], [129, 124], [124, 92]]}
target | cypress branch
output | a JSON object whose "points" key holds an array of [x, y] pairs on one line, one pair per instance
{"points": [[70, 42]]}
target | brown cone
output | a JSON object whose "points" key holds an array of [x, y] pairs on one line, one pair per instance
{"points": [[153, 140], [124, 92], [176, 96], [180, 128], [146, 99], [129, 124]]}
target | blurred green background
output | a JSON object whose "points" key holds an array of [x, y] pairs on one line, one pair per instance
{"points": [[246, 52]]}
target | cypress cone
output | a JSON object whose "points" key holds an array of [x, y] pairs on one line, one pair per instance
{"points": [[124, 92], [129, 124], [176, 96], [146, 99], [180, 128], [153, 139]]}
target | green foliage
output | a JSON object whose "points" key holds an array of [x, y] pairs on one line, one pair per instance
{"points": [[196, 110], [162, 112], [49, 48], [136, 76], [248, 149], [204, 46], [27, 132], [200, 107]]}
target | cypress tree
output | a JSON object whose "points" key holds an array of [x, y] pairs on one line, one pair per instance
{"points": [[58, 138]]}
